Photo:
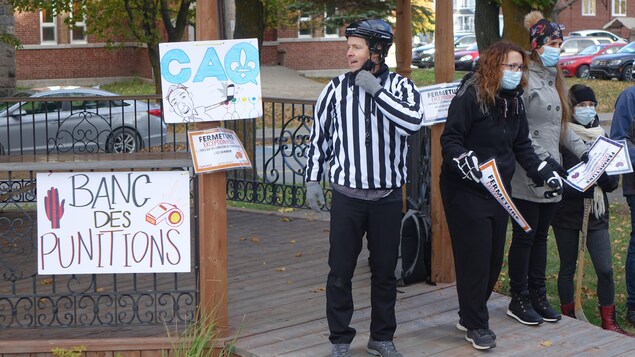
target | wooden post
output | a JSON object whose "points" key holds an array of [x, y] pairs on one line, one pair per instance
{"points": [[403, 51], [442, 259], [403, 38], [212, 204]]}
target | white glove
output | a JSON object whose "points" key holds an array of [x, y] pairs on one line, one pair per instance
{"points": [[468, 166], [314, 195], [551, 177], [367, 82]]}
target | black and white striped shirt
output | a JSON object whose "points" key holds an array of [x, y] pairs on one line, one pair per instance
{"points": [[363, 137]]}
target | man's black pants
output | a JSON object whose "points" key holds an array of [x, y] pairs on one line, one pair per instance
{"points": [[380, 221]]}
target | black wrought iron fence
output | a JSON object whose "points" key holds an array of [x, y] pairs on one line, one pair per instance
{"points": [[277, 144]]}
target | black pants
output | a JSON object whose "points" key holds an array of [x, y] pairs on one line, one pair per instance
{"points": [[528, 251], [477, 225], [598, 244], [350, 220]]}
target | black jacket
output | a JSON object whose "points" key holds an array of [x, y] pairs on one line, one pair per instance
{"points": [[502, 133], [570, 210]]}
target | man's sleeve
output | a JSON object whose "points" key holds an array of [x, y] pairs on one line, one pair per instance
{"points": [[320, 140], [623, 119], [405, 107]]}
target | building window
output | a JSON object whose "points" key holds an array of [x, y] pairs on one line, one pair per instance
{"points": [[618, 8], [304, 27], [588, 7], [48, 28], [78, 32], [330, 30], [464, 24]]}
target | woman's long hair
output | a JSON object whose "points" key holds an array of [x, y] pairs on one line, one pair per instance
{"points": [[489, 73]]}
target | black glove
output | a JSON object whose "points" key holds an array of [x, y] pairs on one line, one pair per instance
{"points": [[551, 177], [468, 166], [555, 166], [589, 192], [585, 157]]}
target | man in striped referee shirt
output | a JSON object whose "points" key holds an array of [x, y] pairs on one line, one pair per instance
{"points": [[362, 121]]}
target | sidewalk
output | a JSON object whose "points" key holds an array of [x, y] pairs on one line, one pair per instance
{"points": [[283, 82]]}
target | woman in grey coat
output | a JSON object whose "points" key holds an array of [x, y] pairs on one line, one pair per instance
{"points": [[548, 112]]}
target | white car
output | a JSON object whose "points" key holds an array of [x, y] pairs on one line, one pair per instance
{"points": [[598, 33], [572, 45]]}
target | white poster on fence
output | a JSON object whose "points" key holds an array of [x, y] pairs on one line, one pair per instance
{"points": [[210, 80], [113, 222]]}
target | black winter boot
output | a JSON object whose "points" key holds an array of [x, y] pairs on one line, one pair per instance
{"points": [[521, 309], [541, 305]]}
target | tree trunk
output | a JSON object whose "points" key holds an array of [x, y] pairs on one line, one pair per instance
{"points": [[153, 53], [514, 25], [486, 23], [249, 24]]}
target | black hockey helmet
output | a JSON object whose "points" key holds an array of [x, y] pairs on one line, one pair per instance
{"points": [[375, 31]]}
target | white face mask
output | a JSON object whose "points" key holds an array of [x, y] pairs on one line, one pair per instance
{"points": [[511, 79], [584, 115], [550, 56]]}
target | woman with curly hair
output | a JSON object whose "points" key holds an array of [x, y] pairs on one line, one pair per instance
{"points": [[486, 119], [548, 113]]}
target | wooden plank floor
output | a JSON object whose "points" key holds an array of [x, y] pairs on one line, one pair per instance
{"points": [[277, 274], [276, 301]]}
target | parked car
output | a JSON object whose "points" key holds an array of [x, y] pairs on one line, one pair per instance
{"points": [[617, 65], [423, 56], [579, 65], [81, 125], [463, 60], [598, 33], [572, 45]]}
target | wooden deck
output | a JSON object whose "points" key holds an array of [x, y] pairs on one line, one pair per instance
{"points": [[277, 274]]}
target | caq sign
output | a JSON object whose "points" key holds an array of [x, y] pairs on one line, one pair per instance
{"points": [[236, 61]]}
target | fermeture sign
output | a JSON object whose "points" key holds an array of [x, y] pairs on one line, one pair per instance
{"points": [[210, 80], [113, 222]]}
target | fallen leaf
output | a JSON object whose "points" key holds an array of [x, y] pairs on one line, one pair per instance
{"points": [[286, 209], [100, 290], [281, 269], [255, 239], [242, 238], [546, 343], [48, 281], [286, 219], [289, 281], [299, 254], [292, 241]]}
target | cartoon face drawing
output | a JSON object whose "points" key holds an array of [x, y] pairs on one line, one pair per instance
{"points": [[181, 101]]}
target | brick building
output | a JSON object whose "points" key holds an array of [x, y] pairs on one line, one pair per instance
{"points": [[595, 14], [52, 53]]}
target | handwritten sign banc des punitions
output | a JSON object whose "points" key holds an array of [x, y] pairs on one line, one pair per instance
{"points": [[113, 222]]}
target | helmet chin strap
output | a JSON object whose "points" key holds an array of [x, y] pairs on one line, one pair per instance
{"points": [[369, 65]]}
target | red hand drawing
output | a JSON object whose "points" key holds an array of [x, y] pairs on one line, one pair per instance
{"points": [[54, 210]]}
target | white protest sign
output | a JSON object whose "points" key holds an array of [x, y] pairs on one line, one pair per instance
{"points": [[210, 80], [621, 163], [584, 175], [492, 181], [217, 149], [113, 222], [436, 101]]}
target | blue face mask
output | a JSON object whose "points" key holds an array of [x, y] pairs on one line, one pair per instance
{"points": [[584, 115], [511, 79], [550, 56]]}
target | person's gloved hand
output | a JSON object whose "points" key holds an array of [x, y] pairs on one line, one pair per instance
{"points": [[367, 82], [314, 195], [551, 177], [589, 192], [468, 166], [555, 166], [585, 157]]}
